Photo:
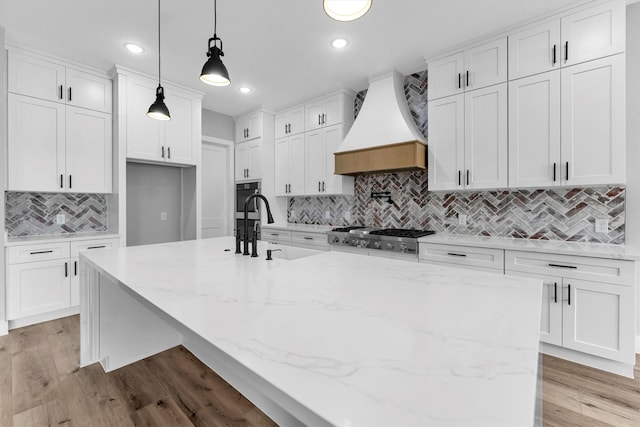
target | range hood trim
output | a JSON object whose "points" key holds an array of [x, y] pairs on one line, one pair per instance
{"points": [[402, 156]]}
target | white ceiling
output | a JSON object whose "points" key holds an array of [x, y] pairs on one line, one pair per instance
{"points": [[278, 47]]}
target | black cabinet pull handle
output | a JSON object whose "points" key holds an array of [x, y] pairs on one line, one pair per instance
{"points": [[66, 269], [467, 176], [70, 182], [163, 151], [566, 51], [97, 247], [459, 177], [61, 90], [61, 181], [69, 94], [567, 167], [323, 188], [467, 78], [319, 119], [554, 55], [319, 186], [573, 267], [75, 268], [459, 81], [554, 172], [307, 238], [40, 252], [455, 254], [555, 292], [168, 152], [569, 295]]}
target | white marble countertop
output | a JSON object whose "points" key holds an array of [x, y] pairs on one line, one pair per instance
{"points": [[357, 340], [313, 228], [595, 250], [55, 238]]}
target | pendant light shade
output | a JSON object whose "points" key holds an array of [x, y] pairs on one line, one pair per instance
{"points": [[346, 10], [214, 72], [158, 110]]}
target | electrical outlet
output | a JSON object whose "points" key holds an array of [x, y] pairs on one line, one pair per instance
{"points": [[293, 213], [327, 214], [462, 219], [163, 216], [60, 219], [347, 216], [602, 225]]}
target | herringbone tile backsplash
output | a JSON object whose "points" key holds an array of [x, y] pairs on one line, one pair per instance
{"points": [[551, 214], [30, 214]]}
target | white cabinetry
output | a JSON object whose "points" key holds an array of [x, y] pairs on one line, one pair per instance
{"points": [[289, 122], [588, 303], [329, 111], [487, 259], [468, 140], [43, 278], [148, 140], [320, 177], [298, 238], [248, 165], [572, 39], [249, 126], [289, 165], [475, 68], [253, 130]]}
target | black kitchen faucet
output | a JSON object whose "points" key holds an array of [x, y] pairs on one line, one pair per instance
{"points": [[246, 222]]}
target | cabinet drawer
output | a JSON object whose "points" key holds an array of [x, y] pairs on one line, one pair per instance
{"points": [[465, 256], [277, 236], [592, 269], [41, 252], [317, 239], [85, 245]]}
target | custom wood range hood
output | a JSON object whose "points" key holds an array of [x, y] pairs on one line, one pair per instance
{"points": [[383, 137]]}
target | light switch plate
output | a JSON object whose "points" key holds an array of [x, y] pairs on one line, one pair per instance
{"points": [[462, 219], [327, 215], [60, 219], [293, 213], [347, 216], [602, 225], [163, 216]]}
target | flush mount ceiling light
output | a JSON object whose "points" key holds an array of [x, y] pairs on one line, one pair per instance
{"points": [[134, 48], [346, 10], [245, 89], [339, 43], [158, 110], [214, 72]]}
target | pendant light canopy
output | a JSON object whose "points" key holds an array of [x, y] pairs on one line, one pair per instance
{"points": [[214, 72], [346, 10], [158, 110]]}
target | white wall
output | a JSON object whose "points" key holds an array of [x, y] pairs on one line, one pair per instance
{"points": [[4, 327], [218, 125]]}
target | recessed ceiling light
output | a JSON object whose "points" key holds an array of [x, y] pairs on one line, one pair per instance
{"points": [[244, 89], [339, 43], [134, 48]]}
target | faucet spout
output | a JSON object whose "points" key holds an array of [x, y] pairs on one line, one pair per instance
{"points": [[246, 218]]}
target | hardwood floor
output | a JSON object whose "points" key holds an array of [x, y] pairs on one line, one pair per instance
{"points": [[41, 385]]}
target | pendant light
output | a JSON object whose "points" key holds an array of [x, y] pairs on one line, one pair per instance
{"points": [[158, 110], [346, 10], [214, 72]]}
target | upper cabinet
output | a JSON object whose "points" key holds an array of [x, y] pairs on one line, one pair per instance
{"points": [[474, 68], [51, 80], [251, 155], [329, 111], [249, 126], [289, 122], [572, 39], [174, 141], [59, 127]]}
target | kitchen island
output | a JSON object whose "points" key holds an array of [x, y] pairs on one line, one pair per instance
{"points": [[323, 338]]}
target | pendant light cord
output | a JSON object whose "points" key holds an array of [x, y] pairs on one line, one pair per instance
{"points": [[215, 15], [159, 80]]}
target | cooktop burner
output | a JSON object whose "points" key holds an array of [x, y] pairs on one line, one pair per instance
{"points": [[347, 229], [401, 232]]}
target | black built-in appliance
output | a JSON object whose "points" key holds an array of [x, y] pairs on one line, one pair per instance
{"points": [[244, 190]]}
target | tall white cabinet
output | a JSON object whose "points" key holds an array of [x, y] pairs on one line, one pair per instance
{"points": [[254, 131], [60, 127]]}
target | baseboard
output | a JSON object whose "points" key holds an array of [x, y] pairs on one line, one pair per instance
{"points": [[45, 317], [4, 328], [637, 344]]}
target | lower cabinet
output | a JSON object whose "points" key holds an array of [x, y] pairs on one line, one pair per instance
{"points": [[299, 239], [486, 259], [43, 278]]}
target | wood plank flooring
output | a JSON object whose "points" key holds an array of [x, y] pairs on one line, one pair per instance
{"points": [[41, 385]]}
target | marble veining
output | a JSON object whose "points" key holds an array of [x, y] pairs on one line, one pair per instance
{"points": [[357, 340]]}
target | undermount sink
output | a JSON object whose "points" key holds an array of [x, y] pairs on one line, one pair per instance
{"points": [[290, 253]]}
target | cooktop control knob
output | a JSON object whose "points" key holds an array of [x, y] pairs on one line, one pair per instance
{"points": [[345, 241], [390, 246], [364, 243], [403, 247], [376, 245], [336, 239]]}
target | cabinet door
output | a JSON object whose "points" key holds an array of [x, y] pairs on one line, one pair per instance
{"points": [[242, 161], [242, 129], [296, 165], [88, 151], [281, 166], [313, 112], [486, 65], [179, 130], [281, 123], [255, 163], [37, 287], [486, 138], [314, 161], [37, 77], [445, 76], [88, 91], [143, 133], [598, 319], [446, 143], [593, 33], [296, 121], [535, 50], [36, 157], [593, 122], [534, 131], [74, 282], [332, 183], [333, 110]]}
